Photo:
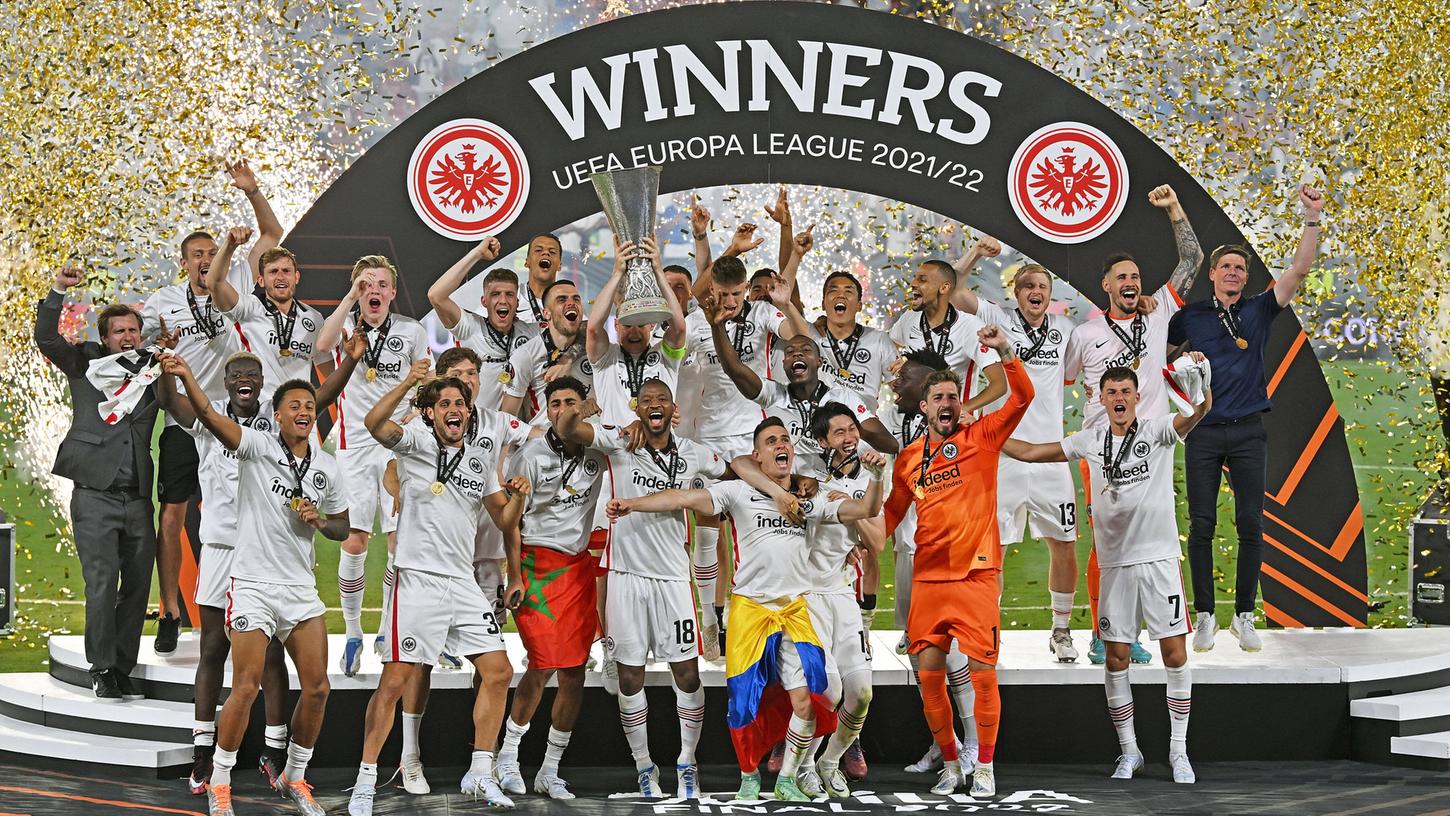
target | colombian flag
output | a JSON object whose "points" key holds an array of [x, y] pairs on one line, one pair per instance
{"points": [[759, 708]]}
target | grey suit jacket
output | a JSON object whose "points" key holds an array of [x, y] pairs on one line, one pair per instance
{"points": [[92, 451]]}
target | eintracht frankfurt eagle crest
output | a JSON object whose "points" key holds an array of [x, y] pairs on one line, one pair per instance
{"points": [[1068, 182], [468, 178]]}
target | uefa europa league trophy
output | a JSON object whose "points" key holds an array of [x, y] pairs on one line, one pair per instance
{"points": [[628, 197]]}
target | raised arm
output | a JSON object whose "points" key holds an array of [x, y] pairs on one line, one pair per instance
{"points": [[675, 335], [223, 295], [700, 232], [868, 506], [440, 294], [63, 353], [331, 333], [745, 378], [962, 296], [780, 214], [269, 228], [1190, 254], [747, 470], [742, 242], [1034, 452], [1288, 283], [596, 332], [572, 427], [1183, 424], [665, 501], [1000, 423], [353, 346], [173, 402], [379, 420], [224, 428], [995, 390], [877, 436]]}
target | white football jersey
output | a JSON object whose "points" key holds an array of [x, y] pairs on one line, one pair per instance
{"points": [[1135, 516], [1044, 359], [831, 543], [617, 379], [473, 331], [721, 410], [864, 356], [257, 326], [796, 415], [273, 545], [770, 549], [532, 359], [956, 341], [652, 545], [436, 532], [560, 510], [393, 347], [197, 323], [1095, 347], [217, 471]]}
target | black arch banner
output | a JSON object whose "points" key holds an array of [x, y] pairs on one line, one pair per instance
{"points": [[822, 94]]}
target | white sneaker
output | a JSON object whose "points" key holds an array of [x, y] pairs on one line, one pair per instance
{"points": [[833, 781], [1204, 628], [689, 776], [1243, 629], [984, 781], [551, 786], [1182, 770], [967, 755], [413, 780], [810, 782], [485, 788], [649, 782], [509, 778], [902, 644], [930, 761], [1127, 765], [949, 780], [710, 642], [609, 676], [1060, 644], [361, 803]]}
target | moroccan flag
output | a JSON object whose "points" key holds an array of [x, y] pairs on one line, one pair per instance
{"points": [[558, 618], [759, 711]]}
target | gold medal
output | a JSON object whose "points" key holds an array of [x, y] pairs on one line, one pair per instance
{"points": [[437, 488], [297, 502], [373, 374], [1136, 361], [570, 490], [920, 492], [286, 352], [844, 372], [504, 378], [1241, 342], [633, 403]]}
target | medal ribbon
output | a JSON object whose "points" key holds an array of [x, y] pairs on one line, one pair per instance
{"points": [[505, 342], [807, 407], [943, 332], [1037, 337], [839, 471], [558, 445], [299, 472], [1225, 316], [203, 319], [927, 455], [447, 468], [1111, 463], [374, 351], [1137, 346], [668, 467], [843, 362], [913, 425], [245, 422], [283, 329], [737, 336], [634, 371], [555, 351]]}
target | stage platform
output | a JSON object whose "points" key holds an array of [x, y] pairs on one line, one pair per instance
{"points": [[1375, 695]]}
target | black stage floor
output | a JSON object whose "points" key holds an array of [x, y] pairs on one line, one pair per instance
{"points": [[1284, 788]]}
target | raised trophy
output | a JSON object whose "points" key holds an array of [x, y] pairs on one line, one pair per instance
{"points": [[628, 198]]}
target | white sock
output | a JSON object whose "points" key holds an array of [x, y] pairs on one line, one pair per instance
{"points": [[222, 763], [554, 751], [513, 734], [350, 584], [705, 564], [959, 686], [1180, 700], [634, 716], [411, 724], [482, 764], [275, 736], [1062, 603], [367, 774], [203, 732], [297, 759], [690, 708], [1120, 709], [797, 743]]}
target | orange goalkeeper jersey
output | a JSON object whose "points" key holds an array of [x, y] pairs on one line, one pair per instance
{"points": [[956, 511]]}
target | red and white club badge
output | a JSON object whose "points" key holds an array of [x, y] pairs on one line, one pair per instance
{"points": [[468, 178], [1068, 182]]}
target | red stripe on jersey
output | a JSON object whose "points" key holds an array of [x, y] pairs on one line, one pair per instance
{"points": [[969, 380], [227, 623], [734, 548], [604, 560], [393, 634], [241, 335]]}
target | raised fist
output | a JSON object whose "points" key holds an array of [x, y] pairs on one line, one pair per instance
{"points": [[68, 276], [488, 249], [1162, 197], [987, 247], [237, 236], [1312, 199]]}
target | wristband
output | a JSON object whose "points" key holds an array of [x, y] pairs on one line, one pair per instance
{"points": [[699, 236], [1311, 223], [252, 192]]}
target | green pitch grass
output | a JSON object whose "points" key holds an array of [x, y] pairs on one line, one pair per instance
{"points": [[1375, 401]]}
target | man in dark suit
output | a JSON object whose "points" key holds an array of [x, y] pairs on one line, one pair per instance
{"points": [[111, 512]]}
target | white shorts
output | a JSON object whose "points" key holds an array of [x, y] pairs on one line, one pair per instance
{"points": [[214, 575], [788, 664], [1039, 494], [837, 621], [601, 507], [492, 578], [1150, 593], [362, 471], [431, 614], [274, 609], [644, 616]]}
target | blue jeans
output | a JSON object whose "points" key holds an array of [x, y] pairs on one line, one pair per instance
{"points": [[1240, 446]]}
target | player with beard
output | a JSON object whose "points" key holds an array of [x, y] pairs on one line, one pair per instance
{"points": [[558, 618], [557, 351], [187, 309], [936, 324], [778, 664], [950, 476], [1135, 527], [620, 370], [242, 379], [542, 261], [448, 483], [497, 333], [270, 323], [282, 500], [1124, 337], [394, 343], [650, 608]]}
